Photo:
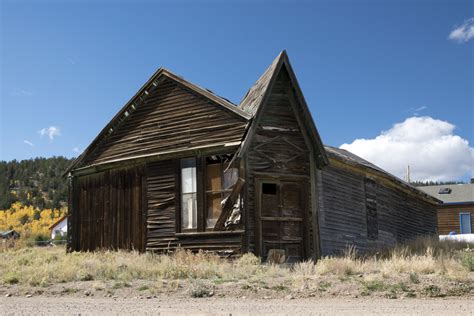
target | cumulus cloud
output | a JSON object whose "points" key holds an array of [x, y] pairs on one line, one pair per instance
{"points": [[429, 146], [51, 132], [29, 143], [464, 32], [76, 150]]}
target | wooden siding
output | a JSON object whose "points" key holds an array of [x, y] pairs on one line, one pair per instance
{"points": [[277, 150], [448, 218], [170, 118], [343, 213], [163, 215], [162, 204], [109, 211]]}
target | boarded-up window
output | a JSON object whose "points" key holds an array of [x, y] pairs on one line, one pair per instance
{"points": [[219, 182], [371, 209], [188, 194]]}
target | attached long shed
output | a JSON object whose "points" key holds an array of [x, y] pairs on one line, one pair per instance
{"points": [[179, 166]]}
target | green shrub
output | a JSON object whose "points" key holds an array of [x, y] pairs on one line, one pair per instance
{"points": [[467, 261], [374, 286], [432, 291], [201, 289], [11, 278], [414, 278]]}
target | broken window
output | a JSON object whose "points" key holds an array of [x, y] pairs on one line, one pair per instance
{"points": [[218, 185], [188, 194], [371, 209]]}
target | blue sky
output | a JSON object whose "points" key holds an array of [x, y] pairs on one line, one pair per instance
{"points": [[363, 65]]}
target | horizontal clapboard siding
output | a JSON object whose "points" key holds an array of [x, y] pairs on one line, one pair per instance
{"points": [[163, 210], [171, 118], [448, 218], [343, 217], [161, 196]]}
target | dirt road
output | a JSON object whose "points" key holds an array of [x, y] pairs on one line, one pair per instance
{"points": [[227, 306]]}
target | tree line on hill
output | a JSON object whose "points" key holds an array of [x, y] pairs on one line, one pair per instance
{"points": [[428, 183], [34, 182]]}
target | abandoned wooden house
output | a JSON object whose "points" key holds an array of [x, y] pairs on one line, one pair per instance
{"points": [[179, 166]]}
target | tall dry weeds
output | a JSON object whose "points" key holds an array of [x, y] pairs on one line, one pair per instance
{"points": [[43, 266]]}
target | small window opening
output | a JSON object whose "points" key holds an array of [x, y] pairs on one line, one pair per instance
{"points": [[269, 188], [444, 191]]}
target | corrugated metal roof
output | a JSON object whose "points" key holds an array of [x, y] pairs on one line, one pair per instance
{"points": [[460, 193]]}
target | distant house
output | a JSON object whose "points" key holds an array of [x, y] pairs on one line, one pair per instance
{"points": [[59, 228], [9, 234], [455, 214]]}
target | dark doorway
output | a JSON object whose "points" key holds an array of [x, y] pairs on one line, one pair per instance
{"points": [[281, 217]]}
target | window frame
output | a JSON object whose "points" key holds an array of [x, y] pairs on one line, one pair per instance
{"points": [[201, 193], [179, 195], [223, 191], [460, 222]]}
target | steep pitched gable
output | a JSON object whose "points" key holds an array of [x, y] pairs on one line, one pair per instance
{"points": [[258, 95], [143, 123]]}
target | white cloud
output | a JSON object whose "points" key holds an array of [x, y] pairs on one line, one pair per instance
{"points": [[463, 33], [51, 131], [29, 143], [421, 108], [428, 145], [21, 93], [76, 150], [415, 111]]}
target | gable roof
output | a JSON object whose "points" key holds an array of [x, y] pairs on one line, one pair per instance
{"points": [[351, 159], [253, 99], [257, 95], [58, 222], [459, 193], [152, 83]]}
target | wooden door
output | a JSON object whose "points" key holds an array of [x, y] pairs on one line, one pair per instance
{"points": [[281, 217]]}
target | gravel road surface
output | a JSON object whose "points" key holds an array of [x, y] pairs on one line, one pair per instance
{"points": [[228, 306]]}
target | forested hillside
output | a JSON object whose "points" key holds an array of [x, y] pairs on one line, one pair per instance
{"points": [[37, 182], [428, 183]]}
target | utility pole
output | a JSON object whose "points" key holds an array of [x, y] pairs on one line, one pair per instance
{"points": [[407, 175]]}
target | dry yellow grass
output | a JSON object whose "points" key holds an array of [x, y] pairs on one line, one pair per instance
{"points": [[421, 267]]}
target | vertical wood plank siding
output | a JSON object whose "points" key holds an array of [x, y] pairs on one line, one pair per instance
{"points": [[172, 117], [448, 218], [278, 148], [343, 217], [109, 211]]}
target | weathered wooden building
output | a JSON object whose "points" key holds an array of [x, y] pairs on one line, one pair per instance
{"points": [[179, 166], [364, 206]]}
